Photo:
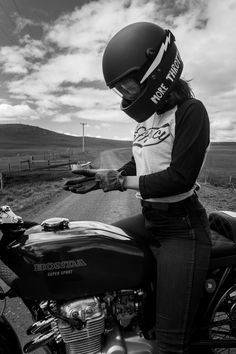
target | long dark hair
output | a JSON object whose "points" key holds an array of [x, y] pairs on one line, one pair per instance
{"points": [[180, 92]]}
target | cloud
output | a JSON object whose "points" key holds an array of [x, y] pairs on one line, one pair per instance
{"points": [[102, 126], [22, 22], [116, 137], [87, 98], [211, 63], [105, 115], [13, 61], [22, 60], [17, 112], [62, 118]]}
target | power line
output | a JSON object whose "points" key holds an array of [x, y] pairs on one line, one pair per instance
{"points": [[5, 33], [17, 8], [7, 14], [2, 30], [18, 11], [20, 14]]}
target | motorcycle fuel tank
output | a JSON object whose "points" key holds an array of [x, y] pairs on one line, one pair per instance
{"points": [[81, 258]]}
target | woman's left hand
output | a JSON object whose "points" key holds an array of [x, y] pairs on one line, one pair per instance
{"points": [[109, 180]]}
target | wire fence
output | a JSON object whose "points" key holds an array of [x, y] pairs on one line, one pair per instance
{"points": [[32, 168], [67, 161], [218, 180], [30, 162]]}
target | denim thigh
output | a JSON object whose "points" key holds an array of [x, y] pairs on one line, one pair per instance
{"points": [[182, 264], [182, 233]]}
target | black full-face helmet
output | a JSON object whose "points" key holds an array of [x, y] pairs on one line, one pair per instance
{"points": [[142, 63]]}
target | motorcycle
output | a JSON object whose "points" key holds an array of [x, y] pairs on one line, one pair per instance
{"points": [[90, 287]]}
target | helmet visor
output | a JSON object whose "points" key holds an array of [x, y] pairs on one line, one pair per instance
{"points": [[128, 88]]}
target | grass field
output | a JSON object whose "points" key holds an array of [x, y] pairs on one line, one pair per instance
{"points": [[24, 189], [220, 164]]}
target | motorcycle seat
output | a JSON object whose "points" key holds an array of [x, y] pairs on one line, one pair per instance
{"points": [[223, 237]]}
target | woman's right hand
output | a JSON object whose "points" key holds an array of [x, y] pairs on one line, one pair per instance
{"points": [[81, 185]]}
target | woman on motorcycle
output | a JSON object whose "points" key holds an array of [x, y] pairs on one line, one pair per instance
{"points": [[142, 64]]}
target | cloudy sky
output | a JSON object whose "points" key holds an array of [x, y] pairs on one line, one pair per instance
{"points": [[51, 54]]}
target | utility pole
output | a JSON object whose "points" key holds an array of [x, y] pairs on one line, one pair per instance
{"points": [[83, 124], [1, 181]]}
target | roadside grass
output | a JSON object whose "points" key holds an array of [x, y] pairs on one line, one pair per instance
{"points": [[22, 197], [29, 191], [217, 198]]}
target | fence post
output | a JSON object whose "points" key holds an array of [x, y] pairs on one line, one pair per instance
{"points": [[1, 181], [231, 184]]}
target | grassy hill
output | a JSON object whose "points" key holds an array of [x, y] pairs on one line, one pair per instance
{"points": [[20, 138]]}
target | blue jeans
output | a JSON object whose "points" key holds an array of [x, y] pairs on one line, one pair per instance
{"points": [[179, 237]]}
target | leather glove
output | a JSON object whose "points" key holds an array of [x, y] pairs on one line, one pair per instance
{"points": [[108, 180], [81, 185]]}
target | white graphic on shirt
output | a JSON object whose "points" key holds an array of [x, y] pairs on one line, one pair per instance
{"points": [[146, 137]]}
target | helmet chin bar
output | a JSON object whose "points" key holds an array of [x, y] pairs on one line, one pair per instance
{"points": [[157, 87]]}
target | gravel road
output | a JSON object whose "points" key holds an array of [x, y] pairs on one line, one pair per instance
{"points": [[96, 205]]}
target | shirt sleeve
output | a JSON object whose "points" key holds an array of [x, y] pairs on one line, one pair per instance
{"points": [[129, 169], [188, 153]]}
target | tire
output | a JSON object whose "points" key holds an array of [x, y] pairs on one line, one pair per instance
{"points": [[6, 347], [9, 343], [222, 324]]}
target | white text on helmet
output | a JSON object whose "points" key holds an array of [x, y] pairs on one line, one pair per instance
{"points": [[174, 68], [170, 76], [159, 93]]}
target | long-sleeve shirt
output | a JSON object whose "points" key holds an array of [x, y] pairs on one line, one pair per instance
{"points": [[169, 151]]}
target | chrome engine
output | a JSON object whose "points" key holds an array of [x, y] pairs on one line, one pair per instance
{"points": [[87, 339], [92, 325], [91, 314]]}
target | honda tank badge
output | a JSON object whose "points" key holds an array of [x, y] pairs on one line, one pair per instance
{"points": [[59, 268]]}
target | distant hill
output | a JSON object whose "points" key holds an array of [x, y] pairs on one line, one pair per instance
{"points": [[30, 139], [20, 137], [223, 143]]}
